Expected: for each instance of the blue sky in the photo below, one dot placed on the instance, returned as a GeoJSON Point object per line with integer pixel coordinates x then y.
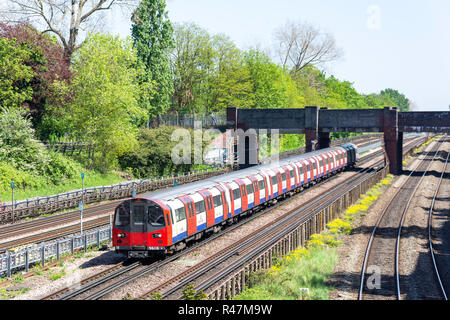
{"type": "Point", "coordinates": [399, 44]}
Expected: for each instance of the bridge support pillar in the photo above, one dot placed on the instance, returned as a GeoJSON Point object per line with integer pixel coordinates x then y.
{"type": "Point", "coordinates": [245, 143]}
{"type": "Point", "coordinates": [393, 141]}
{"type": "Point", "coordinates": [311, 128]}
{"type": "Point", "coordinates": [324, 140]}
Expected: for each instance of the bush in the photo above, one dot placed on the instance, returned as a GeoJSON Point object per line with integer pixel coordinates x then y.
{"type": "Point", "coordinates": [153, 156]}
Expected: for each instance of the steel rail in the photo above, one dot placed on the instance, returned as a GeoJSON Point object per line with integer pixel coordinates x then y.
{"type": "Point", "coordinates": [430, 241]}
{"type": "Point", "coordinates": [152, 267]}
{"type": "Point", "coordinates": [265, 234]}
{"type": "Point", "coordinates": [402, 220]}
{"type": "Point", "coordinates": [230, 228]}
{"type": "Point", "coordinates": [210, 238]}
{"type": "Point", "coordinates": [97, 210]}
{"type": "Point", "coordinates": [375, 228]}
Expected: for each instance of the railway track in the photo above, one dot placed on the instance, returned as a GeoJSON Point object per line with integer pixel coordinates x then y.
{"type": "Point", "coordinates": [211, 270]}
{"type": "Point", "coordinates": [382, 253]}
{"type": "Point", "coordinates": [253, 246]}
{"type": "Point", "coordinates": [429, 229]}
{"type": "Point", "coordinates": [32, 231]}
{"type": "Point", "coordinates": [116, 277]}
{"type": "Point", "coordinates": [113, 278]}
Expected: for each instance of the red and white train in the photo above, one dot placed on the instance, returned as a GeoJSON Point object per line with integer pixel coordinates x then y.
{"type": "Point", "coordinates": [164, 221]}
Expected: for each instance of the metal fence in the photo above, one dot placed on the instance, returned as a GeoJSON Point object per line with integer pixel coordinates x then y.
{"type": "Point", "coordinates": [187, 120]}
{"type": "Point", "coordinates": [49, 204]}
{"type": "Point", "coordinates": [48, 251]}
{"type": "Point", "coordinates": [71, 147]}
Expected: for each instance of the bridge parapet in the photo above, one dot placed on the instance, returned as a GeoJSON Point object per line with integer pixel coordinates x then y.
{"type": "Point", "coordinates": [317, 123]}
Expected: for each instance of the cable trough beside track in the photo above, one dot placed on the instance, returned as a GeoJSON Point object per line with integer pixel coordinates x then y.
{"type": "Point", "coordinates": [383, 248]}
{"type": "Point", "coordinates": [108, 281]}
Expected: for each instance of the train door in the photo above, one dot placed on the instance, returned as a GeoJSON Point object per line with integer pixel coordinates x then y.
{"type": "Point", "coordinates": [218, 204]}
{"type": "Point", "coordinates": [305, 172]}
{"type": "Point", "coordinates": [268, 185]}
{"type": "Point", "coordinates": [169, 221]}
{"type": "Point", "coordinates": [236, 193]}
{"type": "Point", "coordinates": [209, 207]}
{"type": "Point", "coordinates": [244, 197]}
{"type": "Point", "coordinates": [256, 191]}
{"type": "Point", "coordinates": [287, 174]}
{"type": "Point", "coordinates": [230, 200]}
{"type": "Point", "coordinates": [280, 183]}
{"type": "Point", "coordinates": [275, 186]}
{"type": "Point", "coordinates": [250, 192]}
{"type": "Point", "coordinates": [190, 214]}
{"type": "Point", "coordinates": [139, 219]}
{"type": "Point", "coordinates": [294, 176]}
{"type": "Point", "coordinates": [317, 166]}
{"type": "Point", "coordinates": [311, 171]}
{"type": "Point", "coordinates": [324, 159]}
{"type": "Point", "coordinates": [200, 210]}
{"type": "Point", "coordinates": [224, 201]}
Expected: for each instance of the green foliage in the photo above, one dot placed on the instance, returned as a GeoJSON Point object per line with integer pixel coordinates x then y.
{"type": "Point", "coordinates": [272, 86]}
{"type": "Point", "coordinates": [105, 96]}
{"type": "Point", "coordinates": [152, 33]}
{"type": "Point", "coordinates": [300, 269]}
{"type": "Point", "coordinates": [15, 75]}
{"type": "Point", "coordinates": [189, 293]}
{"type": "Point", "coordinates": [193, 67]}
{"type": "Point", "coordinates": [153, 156]}
{"type": "Point", "coordinates": [398, 98]}
{"type": "Point", "coordinates": [18, 145]}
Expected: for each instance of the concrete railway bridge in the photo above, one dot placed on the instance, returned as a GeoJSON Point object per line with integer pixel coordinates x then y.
{"type": "Point", "coordinates": [317, 124]}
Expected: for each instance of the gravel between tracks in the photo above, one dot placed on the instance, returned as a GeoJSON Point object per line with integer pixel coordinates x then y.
{"type": "Point", "coordinates": [346, 276]}
{"type": "Point", "coordinates": [94, 262]}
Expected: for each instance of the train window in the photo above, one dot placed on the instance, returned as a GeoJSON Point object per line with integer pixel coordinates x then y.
{"type": "Point", "coordinates": [200, 207]}
{"type": "Point", "coordinates": [138, 215]}
{"type": "Point", "coordinates": [274, 180]}
{"type": "Point", "coordinates": [236, 194]}
{"type": "Point", "coordinates": [308, 168]}
{"type": "Point", "coordinates": [292, 173]}
{"type": "Point", "coordinates": [156, 216]}
{"type": "Point", "coordinates": [283, 176]}
{"type": "Point", "coordinates": [261, 185]}
{"type": "Point", "coordinates": [180, 214]}
{"type": "Point", "coordinates": [122, 216]}
{"type": "Point", "coordinates": [217, 201]}
{"type": "Point", "coordinates": [301, 170]}
{"type": "Point", "coordinates": [249, 188]}
{"type": "Point", "coordinates": [321, 163]}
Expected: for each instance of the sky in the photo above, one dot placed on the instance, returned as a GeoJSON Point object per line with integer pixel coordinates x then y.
{"type": "Point", "coordinates": [404, 45]}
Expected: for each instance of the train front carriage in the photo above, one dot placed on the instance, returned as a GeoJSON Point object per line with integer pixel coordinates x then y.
{"type": "Point", "coordinates": [140, 228]}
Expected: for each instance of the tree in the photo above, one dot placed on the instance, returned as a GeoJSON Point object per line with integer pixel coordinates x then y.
{"type": "Point", "coordinates": [231, 83]}
{"type": "Point", "coordinates": [398, 98]}
{"type": "Point", "coordinates": [192, 64]}
{"type": "Point", "coordinates": [15, 75]}
{"type": "Point", "coordinates": [63, 18]}
{"type": "Point", "coordinates": [106, 96]}
{"type": "Point", "coordinates": [51, 70]}
{"type": "Point", "coordinates": [272, 86]}
{"type": "Point", "coordinates": [152, 33]}
{"type": "Point", "coordinates": [301, 44]}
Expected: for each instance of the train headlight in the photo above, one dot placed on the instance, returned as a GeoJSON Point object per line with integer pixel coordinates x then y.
{"type": "Point", "coordinates": [156, 235]}
{"type": "Point", "coordinates": [121, 235]}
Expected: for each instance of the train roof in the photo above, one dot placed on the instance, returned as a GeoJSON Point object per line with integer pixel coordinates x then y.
{"type": "Point", "coordinates": [189, 188]}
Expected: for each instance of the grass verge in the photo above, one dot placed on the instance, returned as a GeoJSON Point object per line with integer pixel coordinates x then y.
{"type": "Point", "coordinates": [303, 274]}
